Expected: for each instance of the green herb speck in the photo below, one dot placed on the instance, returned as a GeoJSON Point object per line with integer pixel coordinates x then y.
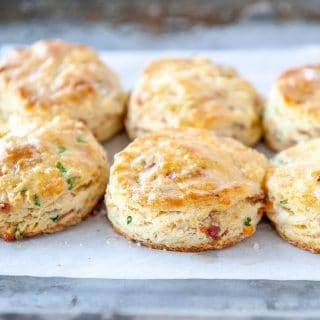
{"type": "Point", "coordinates": [247, 221]}
{"type": "Point", "coordinates": [60, 167]}
{"type": "Point", "coordinates": [36, 200]}
{"type": "Point", "coordinates": [61, 149]}
{"type": "Point", "coordinates": [23, 191]}
{"type": "Point", "coordinates": [17, 235]}
{"type": "Point", "coordinates": [55, 217]}
{"type": "Point", "coordinates": [70, 182]}
{"type": "Point", "coordinates": [82, 139]}
{"type": "Point", "coordinates": [284, 201]}
{"type": "Point", "coordinates": [129, 219]}
{"type": "Point", "coordinates": [137, 179]}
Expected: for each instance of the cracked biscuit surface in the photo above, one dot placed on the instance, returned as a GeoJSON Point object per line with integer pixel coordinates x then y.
{"type": "Point", "coordinates": [194, 92]}
{"type": "Point", "coordinates": [186, 190]}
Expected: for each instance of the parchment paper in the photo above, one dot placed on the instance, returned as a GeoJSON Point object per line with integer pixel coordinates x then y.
{"type": "Point", "coordinates": [92, 250]}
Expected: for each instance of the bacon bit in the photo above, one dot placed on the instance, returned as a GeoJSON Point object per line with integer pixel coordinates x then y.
{"type": "Point", "coordinates": [150, 165]}
{"type": "Point", "coordinates": [318, 179]}
{"type": "Point", "coordinates": [248, 230]}
{"type": "Point", "coordinates": [203, 229]}
{"type": "Point", "coordinates": [257, 198]}
{"type": "Point", "coordinates": [8, 237]}
{"type": "Point", "coordinates": [213, 231]}
{"type": "Point", "coordinates": [5, 207]}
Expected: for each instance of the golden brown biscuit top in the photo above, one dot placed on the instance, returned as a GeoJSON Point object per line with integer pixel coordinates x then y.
{"type": "Point", "coordinates": [204, 67]}
{"type": "Point", "coordinates": [300, 88]}
{"type": "Point", "coordinates": [173, 169]}
{"type": "Point", "coordinates": [57, 73]}
{"type": "Point", "coordinates": [194, 92]}
{"type": "Point", "coordinates": [295, 177]}
{"type": "Point", "coordinates": [39, 164]}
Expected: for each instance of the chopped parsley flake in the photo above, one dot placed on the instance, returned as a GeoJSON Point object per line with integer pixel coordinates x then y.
{"type": "Point", "coordinates": [279, 161]}
{"type": "Point", "coordinates": [61, 149]}
{"type": "Point", "coordinates": [143, 161]}
{"type": "Point", "coordinates": [55, 217]}
{"type": "Point", "coordinates": [129, 219]}
{"type": "Point", "coordinates": [17, 235]}
{"type": "Point", "coordinates": [247, 222]}
{"type": "Point", "coordinates": [70, 182]}
{"type": "Point", "coordinates": [36, 200]}
{"type": "Point", "coordinates": [82, 139]}
{"type": "Point", "coordinates": [61, 168]}
{"type": "Point", "coordinates": [137, 179]}
{"type": "Point", "coordinates": [284, 201]}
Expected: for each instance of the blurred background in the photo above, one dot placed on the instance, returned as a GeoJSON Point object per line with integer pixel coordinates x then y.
{"type": "Point", "coordinates": [163, 24]}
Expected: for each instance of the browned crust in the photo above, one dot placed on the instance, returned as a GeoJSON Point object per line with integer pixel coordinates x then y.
{"type": "Point", "coordinates": [299, 244]}
{"type": "Point", "coordinates": [159, 64]}
{"type": "Point", "coordinates": [194, 161]}
{"type": "Point", "coordinates": [209, 246]}
{"type": "Point", "coordinates": [294, 94]}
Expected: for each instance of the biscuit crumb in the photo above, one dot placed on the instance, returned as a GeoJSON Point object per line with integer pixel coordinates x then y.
{"type": "Point", "coordinates": [110, 240]}
{"type": "Point", "coordinates": [256, 246]}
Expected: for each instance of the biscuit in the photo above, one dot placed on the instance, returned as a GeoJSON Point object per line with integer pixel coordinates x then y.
{"type": "Point", "coordinates": [50, 78]}
{"type": "Point", "coordinates": [186, 190]}
{"type": "Point", "coordinates": [194, 92]}
{"type": "Point", "coordinates": [52, 176]}
{"type": "Point", "coordinates": [293, 185]}
{"type": "Point", "coordinates": [292, 113]}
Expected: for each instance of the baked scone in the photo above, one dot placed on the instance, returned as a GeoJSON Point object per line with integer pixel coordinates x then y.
{"type": "Point", "coordinates": [194, 92]}
{"type": "Point", "coordinates": [293, 186]}
{"type": "Point", "coordinates": [292, 113]}
{"type": "Point", "coordinates": [186, 190]}
{"type": "Point", "coordinates": [51, 176]}
{"type": "Point", "coordinates": [49, 78]}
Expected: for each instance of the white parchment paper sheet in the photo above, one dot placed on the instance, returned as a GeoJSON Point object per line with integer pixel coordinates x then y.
{"type": "Point", "coordinates": [92, 250]}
